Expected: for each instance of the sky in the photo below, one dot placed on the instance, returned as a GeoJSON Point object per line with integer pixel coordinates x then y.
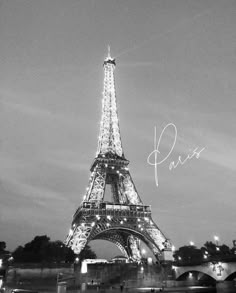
{"type": "Point", "coordinates": [176, 63]}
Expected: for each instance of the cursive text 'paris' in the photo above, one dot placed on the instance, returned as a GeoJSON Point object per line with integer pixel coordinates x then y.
{"type": "Point", "coordinates": [159, 158]}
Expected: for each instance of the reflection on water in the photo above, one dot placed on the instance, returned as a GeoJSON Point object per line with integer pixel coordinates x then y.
{"type": "Point", "coordinates": [221, 288]}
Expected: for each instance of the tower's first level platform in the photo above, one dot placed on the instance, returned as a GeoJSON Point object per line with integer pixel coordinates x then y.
{"type": "Point", "coordinates": [93, 208]}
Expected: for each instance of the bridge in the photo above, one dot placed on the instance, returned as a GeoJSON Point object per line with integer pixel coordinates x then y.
{"type": "Point", "coordinates": [216, 270]}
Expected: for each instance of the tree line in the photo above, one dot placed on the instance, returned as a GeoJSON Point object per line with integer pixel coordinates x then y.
{"type": "Point", "coordinates": [190, 254]}
{"type": "Point", "coordinates": [42, 250]}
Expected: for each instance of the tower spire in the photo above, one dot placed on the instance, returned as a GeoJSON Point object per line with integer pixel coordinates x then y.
{"type": "Point", "coordinates": [109, 141]}
{"type": "Point", "coordinates": [109, 52]}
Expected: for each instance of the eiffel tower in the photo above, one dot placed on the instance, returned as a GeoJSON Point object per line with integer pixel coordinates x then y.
{"type": "Point", "coordinates": [125, 220]}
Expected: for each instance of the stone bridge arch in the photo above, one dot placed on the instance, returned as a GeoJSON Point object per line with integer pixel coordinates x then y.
{"type": "Point", "coordinates": [219, 271]}
{"type": "Point", "coordinates": [231, 277]}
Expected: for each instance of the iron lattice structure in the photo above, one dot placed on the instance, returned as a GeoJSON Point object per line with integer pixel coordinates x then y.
{"type": "Point", "coordinates": [124, 221]}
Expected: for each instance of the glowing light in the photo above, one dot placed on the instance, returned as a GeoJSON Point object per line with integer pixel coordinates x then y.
{"type": "Point", "coordinates": [190, 275]}
{"type": "Point", "coordinates": [0, 265]}
{"type": "Point", "coordinates": [143, 251]}
{"type": "Point", "coordinates": [149, 260]}
{"type": "Point", "coordinates": [121, 222]}
{"type": "Point", "coordinates": [216, 238]}
{"type": "Point", "coordinates": [84, 267]}
{"type": "Point", "coordinates": [205, 256]}
{"type": "Point", "coordinates": [179, 258]}
{"type": "Point", "coordinates": [92, 224]}
{"type": "Point", "coordinates": [108, 224]}
{"type": "Point", "coordinates": [109, 217]}
{"type": "Point", "coordinates": [70, 232]}
{"type": "Point", "coordinates": [173, 248]}
{"type": "Point", "coordinates": [125, 219]}
{"type": "Point", "coordinates": [138, 220]}
{"type": "Point", "coordinates": [191, 243]}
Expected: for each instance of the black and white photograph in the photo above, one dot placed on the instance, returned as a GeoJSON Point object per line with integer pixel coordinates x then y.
{"type": "Point", "coordinates": [117, 146]}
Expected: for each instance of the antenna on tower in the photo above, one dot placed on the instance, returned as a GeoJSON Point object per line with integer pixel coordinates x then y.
{"type": "Point", "coordinates": [109, 59]}
{"type": "Point", "coordinates": [109, 52]}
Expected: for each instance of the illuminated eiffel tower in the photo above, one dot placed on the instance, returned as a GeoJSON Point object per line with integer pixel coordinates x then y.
{"type": "Point", "coordinates": [125, 221]}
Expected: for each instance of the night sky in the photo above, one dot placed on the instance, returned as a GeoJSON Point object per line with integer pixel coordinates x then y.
{"type": "Point", "coordinates": [176, 63]}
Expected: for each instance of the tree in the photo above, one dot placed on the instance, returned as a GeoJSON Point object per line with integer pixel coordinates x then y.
{"type": "Point", "coordinates": [225, 250]}
{"type": "Point", "coordinates": [218, 252]}
{"type": "Point", "coordinates": [41, 249]}
{"type": "Point", "coordinates": [188, 255]}
{"type": "Point", "coordinates": [2, 246]}
{"type": "Point", "coordinates": [210, 247]}
{"type": "Point", "coordinates": [33, 251]}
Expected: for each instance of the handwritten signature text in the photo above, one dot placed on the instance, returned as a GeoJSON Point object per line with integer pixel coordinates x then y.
{"type": "Point", "coordinates": [160, 158]}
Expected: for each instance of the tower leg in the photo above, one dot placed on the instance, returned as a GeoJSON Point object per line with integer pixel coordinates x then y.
{"type": "Point", "coordinates": [134, 247]}
{"type": "Point", "coordinates": [161, 246]}
{"type": "Point", "coordinates": [80, 237]}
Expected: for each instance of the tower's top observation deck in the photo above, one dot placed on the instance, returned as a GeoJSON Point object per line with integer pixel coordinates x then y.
{"type": "Point", "coordinates": [109, 59]}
